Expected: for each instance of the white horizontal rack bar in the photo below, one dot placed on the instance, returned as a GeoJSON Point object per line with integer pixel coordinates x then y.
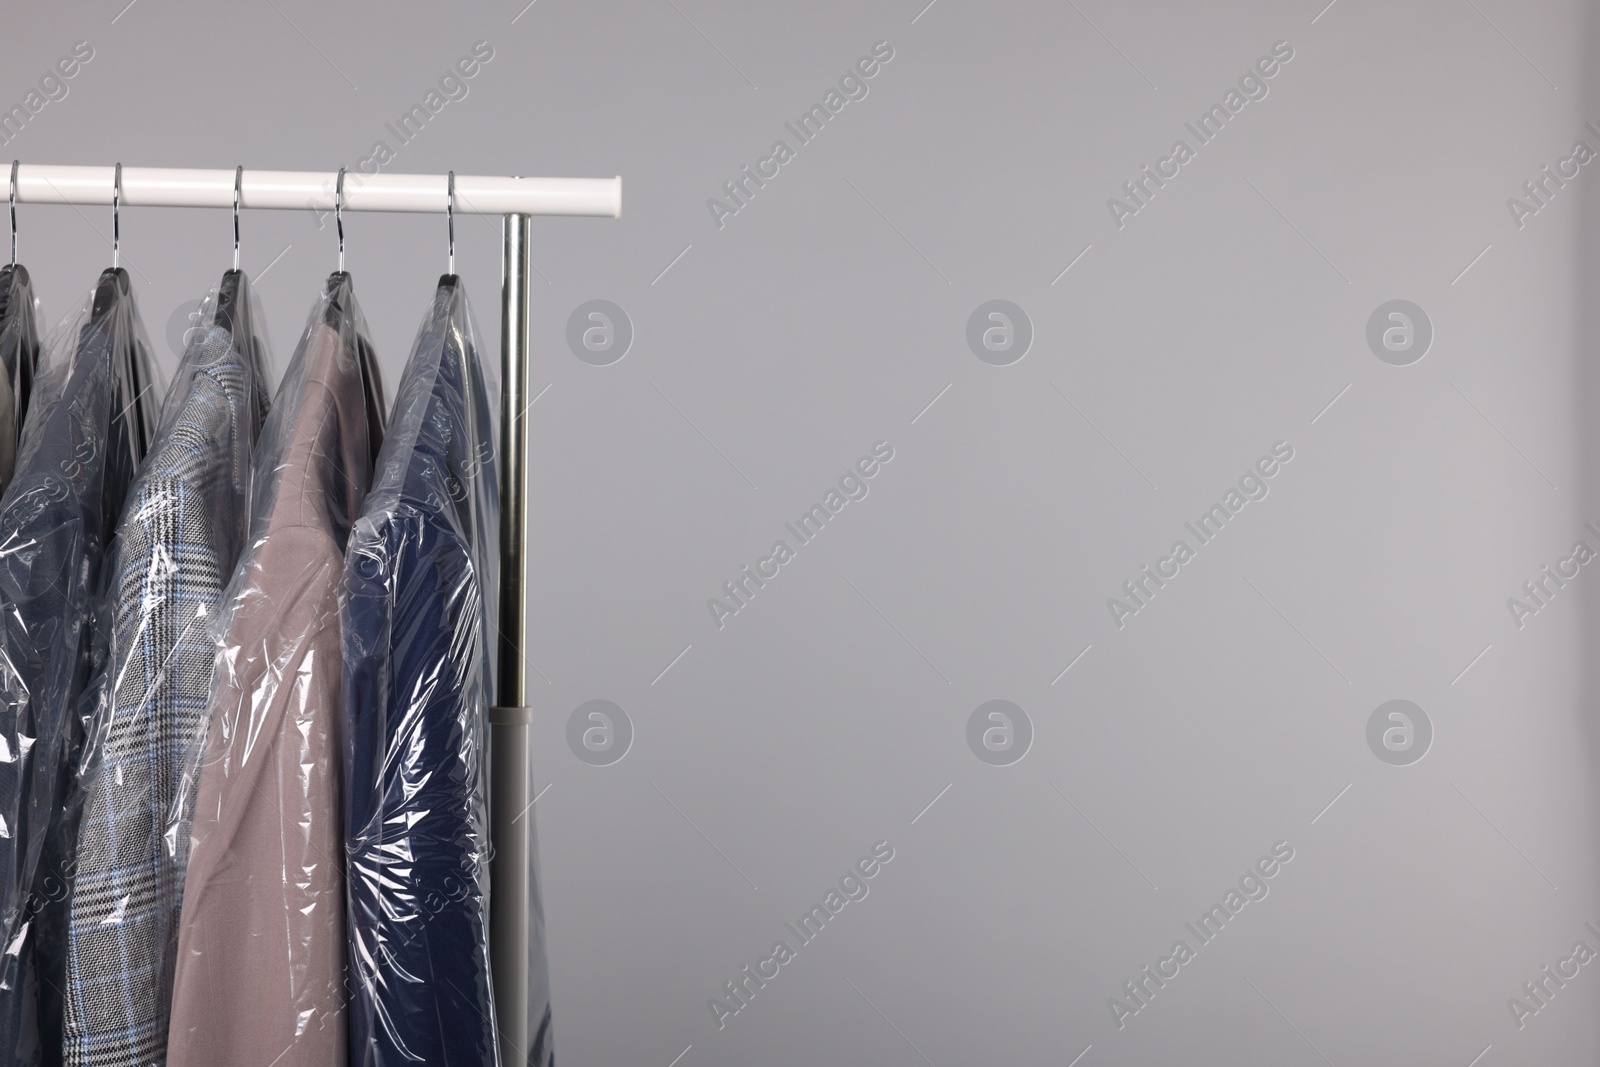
{"type": "Point", "coordinates": [314, 190]}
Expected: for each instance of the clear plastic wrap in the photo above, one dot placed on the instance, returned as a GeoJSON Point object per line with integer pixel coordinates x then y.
{"type": "Point", "coordinates": [82, 439]}
{"type": "Point", "coordinates": [19, 357]}
{"type": "Point", "coordinates": [261, 938]}
{"type": "Point", "coordinates": [419, 613]}
{"type": "Point", "coordinates": [180, 531]}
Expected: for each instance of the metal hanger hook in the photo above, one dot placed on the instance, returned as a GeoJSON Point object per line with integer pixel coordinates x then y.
{"type": "Point", "coordinates": [238, 185]}
{"type": "Point", "coordinates": [338, 215]}
{"type": "Point", "coordinates": [450, 219]}
{"type": "Point", "coordinates": [14, 164]}
{"type": "Point", "coordinates": [116, 217]}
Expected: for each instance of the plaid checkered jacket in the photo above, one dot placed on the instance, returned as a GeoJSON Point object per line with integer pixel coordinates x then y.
{"type": "Point", "coordinates": [176, 545]}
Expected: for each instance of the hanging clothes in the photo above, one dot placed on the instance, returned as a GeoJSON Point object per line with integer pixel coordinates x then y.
{"type": "Point", "coordinates": [19, 355]}
{"type": "Point", "coordinates": [181, 531]}
{"type": "Point", "coordinates": [56, 516]}
{"type": "Point", "coordinates": [420, 591]}
{"type": "Point", "coordinates": [261, 944]}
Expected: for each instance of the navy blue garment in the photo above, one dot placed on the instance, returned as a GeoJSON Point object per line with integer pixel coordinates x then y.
{"type": "Point", "coordinates": [80, 446]}
{"type": "Point", "coordinates": [419, 611]}
{"type": "Point", "coordinates": [19, 354]}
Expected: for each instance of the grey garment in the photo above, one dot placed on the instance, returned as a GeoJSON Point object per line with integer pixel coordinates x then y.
{"type": "Point", "coordinates": [175, 548]}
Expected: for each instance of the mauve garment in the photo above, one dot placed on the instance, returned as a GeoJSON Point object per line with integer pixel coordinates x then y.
{"type": "Point", "coordinates": [261, 940]}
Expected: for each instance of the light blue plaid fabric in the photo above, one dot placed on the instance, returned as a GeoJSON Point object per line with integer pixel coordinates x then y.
{"type": "Point", "coordinates": [175, 548]}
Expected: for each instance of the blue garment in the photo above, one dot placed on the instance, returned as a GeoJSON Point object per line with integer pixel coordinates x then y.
{"type": "Point", "coordinates": [419, 612]}
{"type": "Point", "coordinates": [76, 461]}
{"type": "Point", "coordinates": [19, 354]}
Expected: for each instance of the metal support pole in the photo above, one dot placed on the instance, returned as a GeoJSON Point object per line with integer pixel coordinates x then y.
{"type": "Point", "coordinates": [512, 896]}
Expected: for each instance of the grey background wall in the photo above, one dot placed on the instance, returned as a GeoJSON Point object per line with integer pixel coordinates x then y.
{"type": "Point", "coordinates": [1163, 753]}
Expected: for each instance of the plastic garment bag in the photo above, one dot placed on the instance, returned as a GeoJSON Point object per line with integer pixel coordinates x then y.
{"type": "Point", "coordinates": [175, 545]}
{"type": "Point", "coordinates": [261, 941]}
{"type": "Point", "coordinates": [76, 460]}
{"type": "Point", "coordinates": [419, 615]}
{"type": "Point", "coordinates": [19, 356]}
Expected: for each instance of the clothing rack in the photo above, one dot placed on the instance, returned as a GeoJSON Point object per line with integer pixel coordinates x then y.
{"type": "Point", "coordinates": [517, 200]}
